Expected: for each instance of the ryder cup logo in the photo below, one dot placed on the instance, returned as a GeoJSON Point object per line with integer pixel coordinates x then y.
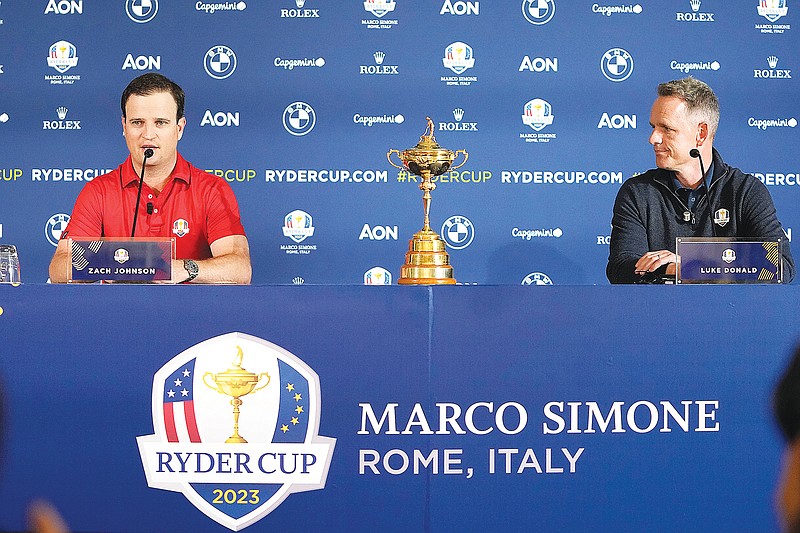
{"type": "Point", "coordinates": [616, 64]}
{"type": "Point", "coordinates": [729, 256]}
{"type": "Point", "coordinates": [299, 118]}
{"type": "Point", "coordinates": [458, 57]}
{"type": "Point", "coordinates": [121, 255]}
{"type": "Point", "coordinates": [722, 217]}
{"type": "Point", "coordinates": [458, 232]}
{"type": "Point", "coordinates": [63, 56]}
{"type": "Point", "coordinates": [236, 464]}
{"type": "Point", "coordinates": [537, 114]}
{"type": "Point", "coordinates": [180, 227]}
{"type": "Point", "coordinates": [772, 10]}
{"type": "Point", "coordinates": [219, 62]}
{"type": "Point", "coordinates": [378, 7]}
{"type": "Point", "coordinates": [377, 276]}
{"type": "Point", "coordinates": [141, 11]}
{"type": "Point", "coordinates": [538, 11]}
{"type": "Point", "coordinates": [298, 225]}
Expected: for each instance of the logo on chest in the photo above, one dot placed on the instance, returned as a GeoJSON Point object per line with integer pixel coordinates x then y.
{"type": "Point", "coordinates": [180, 227]}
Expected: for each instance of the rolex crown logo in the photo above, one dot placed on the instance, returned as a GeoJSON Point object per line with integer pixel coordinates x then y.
{"type": "Point", "coordinates": [695, 5]}
{"type": "Point", "coordinates": [62, 112]}
{"type": "Point", "coordinates": [300, 3]}
{"type": "Point", "coordinates": [379, 57]}
{"type": "Point", "coordinates": [773, 61]}
{"type": "Point", "coordinates": [298, 280]}
{"type": "Point", "coordinates": [458, 114]}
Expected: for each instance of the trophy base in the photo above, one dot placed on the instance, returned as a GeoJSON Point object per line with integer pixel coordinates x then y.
{"type": "Point", "coordinates": [235, 439]}
{"type": "Point", "coordinates": [427, 261]}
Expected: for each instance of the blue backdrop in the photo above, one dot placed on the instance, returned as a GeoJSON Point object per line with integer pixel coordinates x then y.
{"type": "Point", "coordinates": [296, 104]}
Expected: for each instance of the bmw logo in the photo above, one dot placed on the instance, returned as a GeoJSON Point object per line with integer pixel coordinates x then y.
{"type": "Point", "coordinates": [458, 232]}
{"type": "Point", "coordinates": [55, 225]}
{"type": "Point", "coordinates": [537, 278]}
{"type": "Point", "coordinates": [220, 62]}
{"type": "Point", "coordinates": [617, 64]}
{"type": "Point", "coordinates": [141, 11]}
{"type": "Point", "coordinates": [299, 118]}
{"type": "Point", "coordinates": [538, 11]}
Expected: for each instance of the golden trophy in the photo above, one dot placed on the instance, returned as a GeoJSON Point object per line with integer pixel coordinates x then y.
{"type": "Point", "coordinates": [427, 261]}
{"type": "Point", "coordinates": [236, 382]}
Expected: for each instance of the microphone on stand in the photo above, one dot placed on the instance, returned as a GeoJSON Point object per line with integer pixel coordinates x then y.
{"type": "Point", "coordinates": [147, 153]}
{"type": "Point", "coordinates": [694, 152]}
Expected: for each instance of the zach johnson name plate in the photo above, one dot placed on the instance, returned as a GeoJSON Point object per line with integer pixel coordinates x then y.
{"type": "Point", "coordinates": [427, 261]}
{"type": "Point", "coordinates": [135, 259]}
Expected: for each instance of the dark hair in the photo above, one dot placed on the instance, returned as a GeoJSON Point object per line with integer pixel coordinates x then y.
{"type": "Point", "coordinates": [150, 83]}
{"type": "Point", "coordinates": [786, 402]}
{"type": "Point", "coordinates": [699, 97]}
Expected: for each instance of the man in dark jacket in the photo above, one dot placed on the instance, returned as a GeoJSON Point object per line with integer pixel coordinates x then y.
{"type": "Point", "coordinates": [671, 201]}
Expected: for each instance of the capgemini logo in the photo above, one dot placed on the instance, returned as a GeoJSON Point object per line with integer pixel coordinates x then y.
{"type": "Point", "coordinates": [458, 114]}
{"type": "Point", "coordinates": [773, 61]}
{"type": "Point", "coordinates": [62, 112]}
{"type": "Point", "coordinates": [695, 5]}
{"type": "Point", "coordinates": [379, 57]}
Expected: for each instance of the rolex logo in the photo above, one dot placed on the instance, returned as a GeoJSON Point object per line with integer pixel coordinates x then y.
{"type": "Point", "coordinates": [773, 61]}
{"type": "Point", "coordinates": [62, 112]}
{"type": "Point", "coordinates": [458, 114]}
{"type": "Point", "coordinates": [695, 5]}
{"type": "Point", "coordinates": [298, 280]}
{"type": "Point", "coordinates": [300, 3]}
{"type": "Point", "coordinates": [379, 56]}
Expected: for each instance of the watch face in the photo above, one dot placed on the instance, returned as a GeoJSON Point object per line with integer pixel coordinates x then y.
{"type": "Point", "coordinates": [191, 267]}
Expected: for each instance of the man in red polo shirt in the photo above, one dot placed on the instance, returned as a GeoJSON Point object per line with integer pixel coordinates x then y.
{"type": "Point", "coordinates": [178, 199]}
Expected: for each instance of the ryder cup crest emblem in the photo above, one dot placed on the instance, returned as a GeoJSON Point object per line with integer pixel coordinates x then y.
{"type": "Point", "coordinates": [236, 422]}
{"type": "Point", "coordinates": [458, 57]}
{"type": "Point", "coordinates": [772, 10]}
{"type": "Point", "coordinates": [722, 217]}
{"type": "Point", "coordinates": [121, 255]}
{"type": "Point", "coordinates": [298, 225]}
{"type": "Point", "coordinates": [180, 227]}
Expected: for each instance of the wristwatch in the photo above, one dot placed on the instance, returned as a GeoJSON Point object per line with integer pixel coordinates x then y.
{"type": "Point", "coordinates": [192, 268]}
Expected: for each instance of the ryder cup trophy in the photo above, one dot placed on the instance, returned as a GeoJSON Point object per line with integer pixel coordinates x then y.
{"type": "Point", "coordinates": [236, 382]}
{"type": "Point", "coordinates": [427, 261]}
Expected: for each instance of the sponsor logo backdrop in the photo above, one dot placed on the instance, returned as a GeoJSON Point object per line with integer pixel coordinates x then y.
{"type": "Point", "coordinates": [295, 104]}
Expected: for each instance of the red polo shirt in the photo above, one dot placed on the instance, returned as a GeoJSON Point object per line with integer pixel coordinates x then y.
{"type": "Point", "coordinates": [195, 207]}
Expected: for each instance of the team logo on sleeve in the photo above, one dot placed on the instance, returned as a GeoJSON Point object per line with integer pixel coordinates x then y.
{"type": "Point", "coordinates": [722, 217]}
{"type": "Point", "coordinates": [236, 422]}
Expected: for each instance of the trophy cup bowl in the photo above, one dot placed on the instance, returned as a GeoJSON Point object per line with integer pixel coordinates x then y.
{"type": "Point", "coordinates": [236, 382]}
{"type": "Point", "coordinates": [427, 260]}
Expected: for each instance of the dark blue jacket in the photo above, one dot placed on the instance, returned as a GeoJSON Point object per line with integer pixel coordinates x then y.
{"type": "Point", "coordinates": [649, 215]}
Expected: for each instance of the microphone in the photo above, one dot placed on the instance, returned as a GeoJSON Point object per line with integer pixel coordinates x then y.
{"type": "Point", "coordinates": [149, 208]}
{"type": "Point", "coordinates": [694, 152]}
{"type": "Point", "coordinates": [147, 153]}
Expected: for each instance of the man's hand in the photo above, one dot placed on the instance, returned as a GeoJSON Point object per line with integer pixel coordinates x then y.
{"type": "Point", "coordinates": [651, 261]}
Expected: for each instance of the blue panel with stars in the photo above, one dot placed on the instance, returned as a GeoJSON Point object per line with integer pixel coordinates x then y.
{"type": "Point", "coordinates": [178, 387]}
{"type": "Point", "coordinates": [293, 411]}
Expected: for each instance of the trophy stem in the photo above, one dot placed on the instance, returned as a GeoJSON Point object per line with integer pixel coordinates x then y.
{"type": "Point", "coordinates": [427, 186]}
{"type": "Point", "coordinates": [236, 438]}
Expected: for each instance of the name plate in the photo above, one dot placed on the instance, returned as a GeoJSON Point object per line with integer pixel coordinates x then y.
{"type": "Point", "coordinates": [136, 259]}
{"type": "Point", "coordinates": [720, 260]}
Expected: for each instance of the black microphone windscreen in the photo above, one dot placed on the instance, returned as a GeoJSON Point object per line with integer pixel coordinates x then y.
{"type": "Point", "coordinates": [694, 152]}
{"type": "Point", "coordinates": [148, 152]}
